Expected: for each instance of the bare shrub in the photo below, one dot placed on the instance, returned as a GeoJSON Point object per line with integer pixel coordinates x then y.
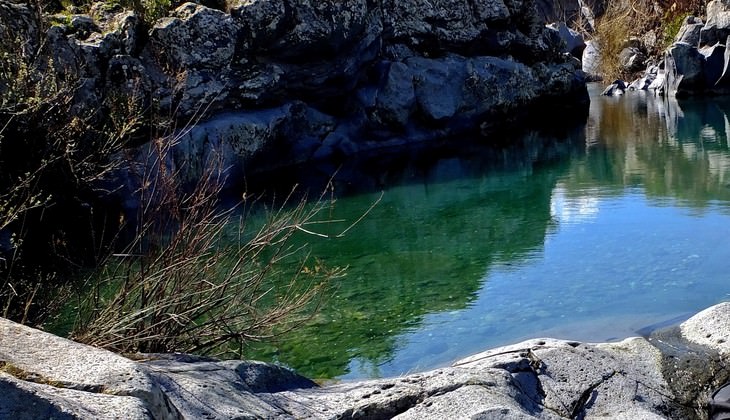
{"type": "Point", "coordinates": [51, 162]}
{"type": "Point", "coordinates": [181, 287]}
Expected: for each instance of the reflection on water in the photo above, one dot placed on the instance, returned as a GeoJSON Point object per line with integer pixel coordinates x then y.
{"type": "Point", "coordinates": [594, 233]}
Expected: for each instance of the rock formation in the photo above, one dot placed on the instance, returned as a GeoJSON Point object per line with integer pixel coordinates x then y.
{"type": "Point", "coordinates": [306, 80]}
{"type": "Point", "coordinates": [697, 61]}
{"type": "Point", "coordinates": [670, 375]}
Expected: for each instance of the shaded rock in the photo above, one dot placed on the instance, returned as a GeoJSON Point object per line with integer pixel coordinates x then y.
{"type": "Point", "coordinates": [714, 65]}
{"type": "Point", "coordinates": [440, 85]}
{"type": "Point", "coordinates": [361, 74]}
{"type": "Point", "coordinates": [684, 69]}
{"type": "Point", "coordinates": [20, 26]}
{"type": "Point", "coordinates": [717, 27]}
{"type": "Point", "coordinates": [573, 41]}
{"type": "Point", "coordinates": [689, 32]}
{"type": "Point", "coordinates": [194, 37]}
{"type": "Point", "coordinates": [22, 400]}
{"type": "Point", "coordinates": [669, 376]}
{"type": "Point", "coordinates": [224, 390]}
{"type": "Point", "coordinates": [571, 11]}
{"type": "Point", "coordinates": [632, 59]}
{"type": "Point", "coordinates": [231, 139]}
{"type": "Point", "coordinates": [396, 100]}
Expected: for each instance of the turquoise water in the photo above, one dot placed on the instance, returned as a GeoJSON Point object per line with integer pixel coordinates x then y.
{"type": "Point", "coordinates": [594, 233]}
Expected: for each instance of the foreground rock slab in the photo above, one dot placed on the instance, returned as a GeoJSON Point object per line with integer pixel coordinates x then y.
{"type": "Point", "coordinates": [670, 375]}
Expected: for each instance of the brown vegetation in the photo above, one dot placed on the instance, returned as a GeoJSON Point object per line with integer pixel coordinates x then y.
{"type": "Point", "coordinates": [625, 20]}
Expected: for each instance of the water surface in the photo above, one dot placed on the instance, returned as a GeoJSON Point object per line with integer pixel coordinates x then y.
{"type": "Point", "coordinates": [593, 233]}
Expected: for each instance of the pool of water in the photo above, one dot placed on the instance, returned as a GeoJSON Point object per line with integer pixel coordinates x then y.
{"type": "Point", "coordinates": [593, 233]}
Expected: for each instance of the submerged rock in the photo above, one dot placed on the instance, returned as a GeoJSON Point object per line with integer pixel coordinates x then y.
{"type": "Point", "coordinates": [670, 375]}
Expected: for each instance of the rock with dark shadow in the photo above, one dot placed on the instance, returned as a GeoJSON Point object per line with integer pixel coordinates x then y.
{"type": "Point", "coordinates": [369, 71]}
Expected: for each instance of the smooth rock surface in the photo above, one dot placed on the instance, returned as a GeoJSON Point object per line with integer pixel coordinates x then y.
{"type": "Point", "coordinates": [670, 375]}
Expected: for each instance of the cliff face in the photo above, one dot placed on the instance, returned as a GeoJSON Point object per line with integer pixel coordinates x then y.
{"type": "Point", "coordinates": [311, 80]}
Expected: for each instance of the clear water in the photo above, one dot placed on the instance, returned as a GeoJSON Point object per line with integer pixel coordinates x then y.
{"type": "Point", "coordinates": [593, 233]}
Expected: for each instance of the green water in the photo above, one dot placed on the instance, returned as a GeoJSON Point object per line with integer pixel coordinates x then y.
{"type": "Point", "coordinates": [594, 232]}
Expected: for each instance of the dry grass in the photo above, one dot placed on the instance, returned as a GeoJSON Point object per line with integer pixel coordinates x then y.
{"type": "Point", "coordinates": [612, 33]}
{"type": "Point", "coordinates": [624, 19]}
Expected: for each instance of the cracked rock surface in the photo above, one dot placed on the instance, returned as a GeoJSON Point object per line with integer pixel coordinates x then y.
{"type": "Point", "coordinates": [667, 376]}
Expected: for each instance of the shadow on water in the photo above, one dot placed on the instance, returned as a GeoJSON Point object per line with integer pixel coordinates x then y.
{"type": "Point", "coordinates": [596, 231]}
{"type": "Point", "coordinates": [445, 216]}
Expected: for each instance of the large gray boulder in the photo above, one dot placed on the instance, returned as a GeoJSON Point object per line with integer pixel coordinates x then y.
{"type": "Point", "coordinates": [717, 27]}
{"type": "Point", "coordinates": [31, 400]}
{"type": "Point", "coordinates": [689, 32]}
{"type": "Point", "coordinates": [697, 62]}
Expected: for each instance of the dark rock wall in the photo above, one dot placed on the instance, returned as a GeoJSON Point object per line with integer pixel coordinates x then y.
{"type": "Point", "coordinates": [311, 80]}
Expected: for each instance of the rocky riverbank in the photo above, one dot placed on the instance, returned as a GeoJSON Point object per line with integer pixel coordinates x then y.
{"type": "Point", "coordinates": [669, 375]}
{"type": "Point", "coordinates": [307, 81]}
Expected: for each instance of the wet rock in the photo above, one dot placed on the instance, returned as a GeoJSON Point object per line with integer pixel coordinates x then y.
{"type": "Point", "coordinates": [617, 88]}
